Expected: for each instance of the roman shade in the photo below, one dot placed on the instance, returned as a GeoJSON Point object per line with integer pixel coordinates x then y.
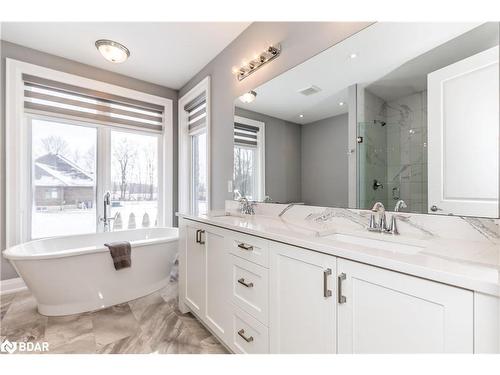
{"type": "Point", "coordinates": [55, 98]}
{"type": "Point", "coordinates": [197, 113]}
{"type": "Point", "coordinates": [245, 135]}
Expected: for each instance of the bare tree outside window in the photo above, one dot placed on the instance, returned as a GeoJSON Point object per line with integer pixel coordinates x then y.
{"type": "Point", "coordinates": [244, 171]}
{"type": "Point", "coordinates": [55, 144]}
{"type": "Point", "coordinates": [134, 177]}
{"type": "Point", "coordinates": [124, 153]}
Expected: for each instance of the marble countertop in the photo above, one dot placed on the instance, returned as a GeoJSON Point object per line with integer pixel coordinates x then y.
{"type": "Point", "coordinates": [470, 264]}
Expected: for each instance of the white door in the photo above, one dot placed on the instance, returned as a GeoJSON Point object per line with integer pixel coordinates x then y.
{"type": "Point", "coordinates": [218, 282]}
{"type": "Point", "coordinates": [389, 312]}
{"type": "Point", "coordinates": [194, 269]}
{"type": "Point", "coordinates": [463, 137]}
{"type": "Point", "coordinates": [302, 301]}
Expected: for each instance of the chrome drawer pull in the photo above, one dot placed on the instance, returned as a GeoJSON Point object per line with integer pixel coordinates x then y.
{"type": "Point", "coordinates": [241, 333]}
{"type": "Point", "coordinates": [245, 247]}
{"type": "Point", "coordinates": [242, 282]}
{"type": "Point", "coordinates": [326, 292]}
{"type": "Point", "coordinates": [341, 298]}
{"type": "Point", "coordinates": [199, 232]}
{"type": "Point", "coordinates": [202, 242]}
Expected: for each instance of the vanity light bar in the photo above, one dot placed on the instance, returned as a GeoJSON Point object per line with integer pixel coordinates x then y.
{"type": "Point", "coordinates": [268, 55]}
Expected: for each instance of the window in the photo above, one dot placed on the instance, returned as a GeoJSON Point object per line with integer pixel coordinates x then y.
{"type": "Point", "coordinates": [249, 170]}
{"type": "Point", "coordinates": [134, 180]}
{"type": "Point", "coordinates": [199, 175]}
{"type": "Point", "coordinates": [69, 140]}
{"type": "Point", "coordinates": [63, 174]}
{"type": "Point", "coordinates": [194, 130]}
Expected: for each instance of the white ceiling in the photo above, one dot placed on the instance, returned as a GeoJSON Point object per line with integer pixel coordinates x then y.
{"type": "Point", "coordinates": [165, 53]}
{"type": "Point", "coordinates": [381, 49]}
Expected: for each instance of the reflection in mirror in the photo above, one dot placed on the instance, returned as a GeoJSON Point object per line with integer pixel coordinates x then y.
{"type": "Point", "coordinates": [399, 111]}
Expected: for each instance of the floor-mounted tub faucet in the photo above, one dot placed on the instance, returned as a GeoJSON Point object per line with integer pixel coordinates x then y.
{"type": "Point", "coordinates": [107, 206]}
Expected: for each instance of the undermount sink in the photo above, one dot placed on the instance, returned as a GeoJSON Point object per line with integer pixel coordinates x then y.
{"type": "Point", "coordinates": [396, 247]}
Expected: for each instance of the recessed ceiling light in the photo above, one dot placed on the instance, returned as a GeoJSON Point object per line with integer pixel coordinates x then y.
{"type": "Point", "coordinates": [301, 116]}
{"type": "Point", "coordinates": [248, 97]}
{"type": "Point", "coordinates": [353, 55]}
{"type": "Point", "coordinates": [341, 104]}
{"type": "Point", "coordinates": [112, 51]}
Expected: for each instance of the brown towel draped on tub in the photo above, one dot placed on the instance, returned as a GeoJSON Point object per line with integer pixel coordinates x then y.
{"type": "Point", "coordinates": [121, 253]}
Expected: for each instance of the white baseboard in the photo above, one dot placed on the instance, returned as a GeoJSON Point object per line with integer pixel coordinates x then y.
{"type": "Point", "coordinates": [12, 285]}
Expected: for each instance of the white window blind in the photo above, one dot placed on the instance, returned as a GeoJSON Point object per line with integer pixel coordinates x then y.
{"type": "Point", "coordinates": [197, 113]}
{"type": "Point", "coordinates": [63, 100]}
{"type": "Point", "coordinates": [245, 135]}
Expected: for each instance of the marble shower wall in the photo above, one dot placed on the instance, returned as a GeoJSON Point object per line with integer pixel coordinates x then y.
{"type": "Point", "coordinates": [407, 151]}
{"type": "Point", "coordinates": [394, 154]}
{"type": "Point", "coordinates": [372, 152]}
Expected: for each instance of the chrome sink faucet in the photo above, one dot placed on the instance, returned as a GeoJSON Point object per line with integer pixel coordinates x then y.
{"type": "Point", "coordinates": [246, 207]}
{"type": "Point", "coordinates": [381, 226]}
{"type": "Point", "coordinates": [393, 227]}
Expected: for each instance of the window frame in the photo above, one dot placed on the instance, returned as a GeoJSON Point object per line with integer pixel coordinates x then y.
{"type": "Point", "coordinates": [28, 118]}
{"type": "Point", "coordinates": [185, 183]}
{"type": "Point", "coordinates": [18, 144]}
{"type": "Point", "coordinates": [261, 153]}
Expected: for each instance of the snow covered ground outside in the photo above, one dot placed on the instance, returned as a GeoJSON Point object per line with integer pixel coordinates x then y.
{"type": "Point", "coordinates": [76, 221]}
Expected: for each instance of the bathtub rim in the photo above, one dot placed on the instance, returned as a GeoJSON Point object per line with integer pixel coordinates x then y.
{"type": "Point", "coordinates": [10, 253]}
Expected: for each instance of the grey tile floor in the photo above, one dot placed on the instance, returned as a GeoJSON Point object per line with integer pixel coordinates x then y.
{"type": "Point", "coordinates": [151, 324]}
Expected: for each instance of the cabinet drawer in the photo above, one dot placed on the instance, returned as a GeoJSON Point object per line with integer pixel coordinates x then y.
{"type": "Point", "coordinates": [248, 335]}
{"type": "Point", "coordinates": [250, 288]}
{"type": "Point", "coordinates": [251, 248]}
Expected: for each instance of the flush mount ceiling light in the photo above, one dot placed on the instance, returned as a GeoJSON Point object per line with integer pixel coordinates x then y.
{"type": "Point", "coordinates": [301, 116]}
{"type": "Point", "coordinates": [341, 104]}
{"type": "Point", "coordinates": [248, 97]}
{"type": "Point", "coordinates": [353, 55]}
{"type": "Point", "coordinates": [112, 51]}
{"type": "Point", "coordinates": [263, 58]}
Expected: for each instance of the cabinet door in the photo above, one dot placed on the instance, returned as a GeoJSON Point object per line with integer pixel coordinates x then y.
{"type": "Point", "coordinates": [218, 282]}
{"type": "Point", "coordinates": [194, 269]}
{"type": "Point", "coordinates": [302, 301]}
{"type": "Point", "coordinates": [389, 312]}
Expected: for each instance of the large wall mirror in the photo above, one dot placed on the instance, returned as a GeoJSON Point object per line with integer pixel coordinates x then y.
{"type": "Point", "coordinates": [399, 111]}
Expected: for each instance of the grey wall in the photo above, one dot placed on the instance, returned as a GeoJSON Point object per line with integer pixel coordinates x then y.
{"type": "Point", "coordinates": [325, 162]}
{"type": "Point", "coordinates": [299, 41]}
{"type": "Point", "coordinates": [14, 51]}
{"type": "Point", "coordinates": [282, 156]}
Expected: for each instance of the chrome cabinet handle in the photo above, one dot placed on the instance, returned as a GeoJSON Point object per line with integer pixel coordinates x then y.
{"type": "Point", "coordinates": [326, 292]}
{"type": "Point", "coordinates": [199, 232]}
{"type": "Point", "coordinates": [245, 247]}
{"type": "Point", "coordinates": [435, 208]}
{"type": "Point", "coordinates": [341, 298]}
{"type": "Point", "coordinates": [241, 333]}
{"type": "Point", "coordinates": [242, 282]}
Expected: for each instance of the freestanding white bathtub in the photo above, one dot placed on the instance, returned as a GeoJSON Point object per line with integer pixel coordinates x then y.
{"type": "Point", "coordinates": [74, 274]}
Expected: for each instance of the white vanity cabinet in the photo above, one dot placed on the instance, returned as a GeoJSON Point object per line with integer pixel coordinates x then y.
{"type": "Point", "coordinates": [204, 284]}
{"type": "Point", "coordinates": [388, 312]}
{"type": "Point", "coordinates": [261, 296]}
{"type": "Point", "coordinates": [302, 298]}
